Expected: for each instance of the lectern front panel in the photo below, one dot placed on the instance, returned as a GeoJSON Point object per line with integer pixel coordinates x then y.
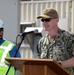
{"type": "Point", "coordinates": [30, 69]}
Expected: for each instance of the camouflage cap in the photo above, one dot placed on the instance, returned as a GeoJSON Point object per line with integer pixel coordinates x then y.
{"type": "Point", "coordinates": [48, 13]}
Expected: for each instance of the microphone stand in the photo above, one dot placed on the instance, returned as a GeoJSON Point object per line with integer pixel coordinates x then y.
{"type": "Point", "coordinates": [16, 52]}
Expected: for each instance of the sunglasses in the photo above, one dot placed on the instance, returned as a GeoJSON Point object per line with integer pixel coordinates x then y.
{"type": "Point", "coordinates": [1, 29]}
{"type": "Point", "coordinates": [47, 19]}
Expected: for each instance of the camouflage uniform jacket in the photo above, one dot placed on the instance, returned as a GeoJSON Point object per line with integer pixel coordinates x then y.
{"type": "Point", "coordinates": [62, 47]}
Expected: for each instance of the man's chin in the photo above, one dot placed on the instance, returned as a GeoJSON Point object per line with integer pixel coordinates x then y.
{"type": "Point", "coordinates": [45, 29]}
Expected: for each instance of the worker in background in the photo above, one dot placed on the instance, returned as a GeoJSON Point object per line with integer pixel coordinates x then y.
{"type": "Point", "coordinates": [7, 49]}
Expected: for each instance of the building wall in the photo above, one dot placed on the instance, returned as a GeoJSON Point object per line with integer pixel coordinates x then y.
{"type": "Point", "coordinates": [10, 14]}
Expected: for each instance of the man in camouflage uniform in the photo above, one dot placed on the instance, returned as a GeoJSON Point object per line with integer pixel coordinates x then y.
{"type": "Point", "coordinates": [58, 44]}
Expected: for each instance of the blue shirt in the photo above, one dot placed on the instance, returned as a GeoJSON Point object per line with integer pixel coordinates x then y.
{"type": "Point", "coordinates": [13, 51]}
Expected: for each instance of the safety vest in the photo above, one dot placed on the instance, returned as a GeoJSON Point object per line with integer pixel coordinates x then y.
{"type": "Point", "coordinates": [5, 47]}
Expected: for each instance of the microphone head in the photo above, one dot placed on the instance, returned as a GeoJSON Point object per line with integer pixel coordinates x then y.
{"type": "Point", "coordinates": [35, 31]}
{"type": "Point", "coordinates": [31, 30]}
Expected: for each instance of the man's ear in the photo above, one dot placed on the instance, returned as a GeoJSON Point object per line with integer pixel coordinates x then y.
{"type": "Point", "coordinates": [57, 19]}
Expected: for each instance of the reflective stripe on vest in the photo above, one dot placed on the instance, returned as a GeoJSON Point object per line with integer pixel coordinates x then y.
{"type": "Point", "coordinates": [5, 48]}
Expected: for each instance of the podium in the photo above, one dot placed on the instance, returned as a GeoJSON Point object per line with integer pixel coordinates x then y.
{"type": "Point", "coordinates": [35, 66]}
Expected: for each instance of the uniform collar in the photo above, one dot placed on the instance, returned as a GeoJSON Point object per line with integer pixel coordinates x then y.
{"type": "Point", "coordinates": [60, 31]}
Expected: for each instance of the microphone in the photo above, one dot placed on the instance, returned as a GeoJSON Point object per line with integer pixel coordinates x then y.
{"type": "Point", "coordinates": [28, 32]}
